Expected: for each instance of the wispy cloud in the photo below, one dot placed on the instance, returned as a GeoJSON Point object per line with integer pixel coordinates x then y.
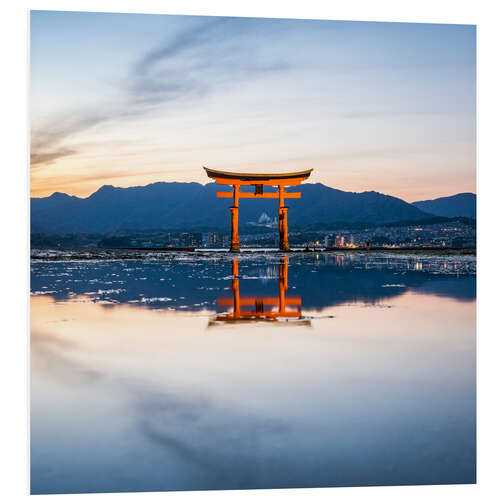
{"type": "Point", "coordinates": [192, 37]}
{"type": "Point", "coordinates": [218, 52]}
{"type": "Point", "coordinates": [37, 159]}
{"type": "Point", "coordinates": [210, 55]}
{"type": "Point", "coordinates": [46, 138]}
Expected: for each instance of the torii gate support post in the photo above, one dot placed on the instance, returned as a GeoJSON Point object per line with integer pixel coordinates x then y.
{"type": "Point", "coordinates": [235, 237]}
{"type": "Point", "coordinates": [283, 220]}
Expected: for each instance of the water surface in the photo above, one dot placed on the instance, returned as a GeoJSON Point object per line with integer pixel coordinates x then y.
{"type": "Point", "coordinates": [182, 372]}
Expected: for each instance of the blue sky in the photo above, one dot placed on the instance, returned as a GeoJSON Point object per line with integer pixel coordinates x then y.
{"type": "Point", "coordinates": [129, 99]}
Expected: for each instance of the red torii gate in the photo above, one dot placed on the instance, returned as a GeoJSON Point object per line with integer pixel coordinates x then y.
{"type": "Point", "coordinates": [259, 181]}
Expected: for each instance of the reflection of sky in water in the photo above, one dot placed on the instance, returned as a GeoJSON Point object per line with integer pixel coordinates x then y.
{"type": "Point", "coordinates": [131, 391]}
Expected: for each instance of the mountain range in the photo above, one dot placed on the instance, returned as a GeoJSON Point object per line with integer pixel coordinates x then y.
{"type": "Point", "coordinates": [179, 206]}
{"type": "Point", "coordinates": [459, 205]}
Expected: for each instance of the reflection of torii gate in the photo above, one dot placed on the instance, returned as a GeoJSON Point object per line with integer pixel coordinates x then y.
{"type": "Point", "coordinates": [258, 305]}
{"type": "Point", "coordinates": [259, 181]}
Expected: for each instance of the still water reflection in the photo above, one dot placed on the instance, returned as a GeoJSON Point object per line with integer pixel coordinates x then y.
{"type": "Point", "coordinates": [259, 308]}
{"type": "Point", "coordinates": [206, 372]}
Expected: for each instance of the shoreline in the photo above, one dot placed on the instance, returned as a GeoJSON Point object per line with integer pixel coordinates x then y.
{"type": "Point", "coordinates": [83, 253]}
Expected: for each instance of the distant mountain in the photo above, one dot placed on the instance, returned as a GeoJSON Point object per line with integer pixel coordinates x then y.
{"type": "Point", "coordinates": [192, 206]}
{"type": "Point", "coordinates": [458, 205]}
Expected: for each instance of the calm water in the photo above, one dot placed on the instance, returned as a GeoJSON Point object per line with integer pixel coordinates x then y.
{"type": "Point", "coordinates": [201, 372]}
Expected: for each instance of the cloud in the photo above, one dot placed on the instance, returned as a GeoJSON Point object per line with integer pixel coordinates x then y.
{"type": "Point", "coordinates": [192, 37]}
{"type": "Point", "coordinates": [209, 56]}
{"type": "Point", "coordinates": [47, 137]}
{"type": "Point", "coordinates": [200, 59]}
{"type": "Point", "coordinates": [50, 157]}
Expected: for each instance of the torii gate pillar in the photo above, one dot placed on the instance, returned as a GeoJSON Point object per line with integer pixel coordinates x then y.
{"type": "Point", "coordinates": [283, 220]}
{"type": "Point", "coordinates": [235, 237]}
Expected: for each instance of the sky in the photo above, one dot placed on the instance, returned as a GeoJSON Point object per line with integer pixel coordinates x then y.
{"type": "Point", "coordinates": [131, 99]}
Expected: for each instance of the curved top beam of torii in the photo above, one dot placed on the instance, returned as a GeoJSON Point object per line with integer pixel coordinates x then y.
{"type": "Point", "coordinates": [268, 179]}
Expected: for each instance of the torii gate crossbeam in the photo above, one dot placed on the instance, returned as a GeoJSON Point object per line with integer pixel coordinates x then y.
{"type": "Point", "coordinates": [236, 180]}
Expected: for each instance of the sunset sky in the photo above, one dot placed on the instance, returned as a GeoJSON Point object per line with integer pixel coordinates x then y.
{"type": "Point", "coordinates": [127, 99]}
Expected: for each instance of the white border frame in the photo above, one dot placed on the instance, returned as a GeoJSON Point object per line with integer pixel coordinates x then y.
{"type": "Point", "coordinates": [15, 241]}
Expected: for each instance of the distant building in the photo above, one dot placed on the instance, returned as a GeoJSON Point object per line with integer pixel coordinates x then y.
{"type": "Point", "coordinates": [196, 239]}
{"type": "Point", "coordinates": [190, 240]}
{"type": "Point", "coordinates": [339, 241]}
{"type": "Point", "coordinates": [264, 219]}
{"type": "Point", "coordinates": [212, 240]}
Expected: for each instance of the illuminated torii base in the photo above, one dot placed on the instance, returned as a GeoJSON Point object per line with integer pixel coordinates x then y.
{"type": "Point", "coordinates": [259, 181]}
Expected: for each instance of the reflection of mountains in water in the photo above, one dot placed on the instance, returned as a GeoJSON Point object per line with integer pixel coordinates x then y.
{"type": "Point", "coordinates": [196, 282]}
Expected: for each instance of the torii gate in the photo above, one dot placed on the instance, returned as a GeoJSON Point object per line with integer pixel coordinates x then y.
{"type": "Point", "coordinates": [259, 181]}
